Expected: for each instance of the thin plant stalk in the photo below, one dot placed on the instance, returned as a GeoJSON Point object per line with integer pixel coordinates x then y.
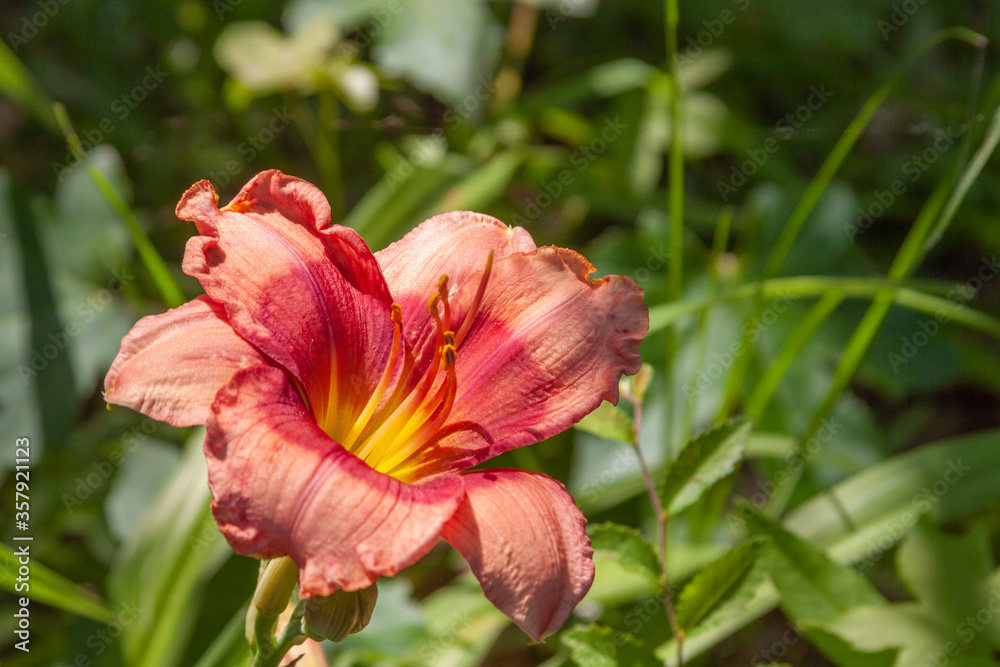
{"type": "Point", "coordinates": [661, 519]}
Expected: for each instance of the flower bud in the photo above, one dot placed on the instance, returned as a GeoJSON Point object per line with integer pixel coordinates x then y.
{"type": "Point", "coordinates": [336, 616]}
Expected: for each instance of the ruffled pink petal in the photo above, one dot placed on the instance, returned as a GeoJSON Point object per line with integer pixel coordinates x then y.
{"type": "Point", "coordinates": [457, 244]}
{"type": "Point", "coordinates": [282, 487]}
{"type": "Point", "coordinates": [526, 543]}
{"type": "Point", "coordinates": [547, 346]}
{"type": "Point", "coordinates": [171, 365]}
{"type": "Point", "coordinates": [308, 295]}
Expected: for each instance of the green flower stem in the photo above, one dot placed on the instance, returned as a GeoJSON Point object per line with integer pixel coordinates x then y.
{"type": "Point", "coordinates": [274, 588]}
{"type": "Point", "coordinates": [269, 652]}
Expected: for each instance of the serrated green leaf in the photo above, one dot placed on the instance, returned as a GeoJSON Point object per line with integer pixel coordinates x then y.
{"type": "Point", "coordinates": [814, 588]}
{"type": "Point", "coordinates": [715, 584]}
{"type": "Point", "coordinates": [706, 459]}
{"type": "Point", "coordinates": [48, 587]}
{"type": "Point", "coordinates": [626, 545]}
{"type": "Point", "coordinates": [608, 422]}
{"type": "Point", "coordinates": [599, 646]}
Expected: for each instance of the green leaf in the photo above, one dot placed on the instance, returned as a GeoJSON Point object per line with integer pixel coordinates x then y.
{"type": "Point", "coordinates": [599, 646]}
{"type": "Point", "coordinates": [952, 579]}
{"type": "Point", "coordinates": [875, 500]}
{"type": "Point", "coordinates": [48, 587]}
{"type": "Point", "coordinates": [814, 588]}
{"type": "Point", "coordinates": [54, 383]}
{"type": "Point", "coordinates": [705, 460]}
{"type": "Point", "coordinates": [608, 422]}
{"type": "Point", "coordinates": [626, 545]}
{"type": "Point", "coordinates": [715, 584]}
{"type": "Point", "coordinates": [445, 47]}
{"type": "Point", "coordinates": [166, 565]}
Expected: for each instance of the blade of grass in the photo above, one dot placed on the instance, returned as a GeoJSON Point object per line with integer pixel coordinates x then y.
{"type": "Point", "coordinates": [789, 352]}
{"type": "Point", "coordinates": [805, 287]}
{"type": "Point", "coordinates": [818, 185]}
{"type": "Point", "coordinates": [169, 290]}
{"type": "Point", "coordinates": [908, 257]}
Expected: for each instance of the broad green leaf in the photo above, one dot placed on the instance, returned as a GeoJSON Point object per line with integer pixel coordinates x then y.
{"type": "Point", "coordinates": [164, 568]}
{"type": "Point", "coordinates": [715, 585]}
{"type": "Point", "coordinates": [814, 588]}
{"type": "Point", "coordinates": [626, 545]}
{"type": "Point", "coordinates": [951, 577]}
{"type": "Point", "coordinates": [705, 460]}
{"type": "Point", "coordinates": [52, 376]}
{"type": "Point", "coordinates": [598, 646]}
{"type": "Point", "coordinates": [877, 500]}
{"type": "Point", "coordinates": [608, 422]}
{"type": "Point", "coordinates": [446, 47]}
{"type": "Point", "coordinates": [48, 587]}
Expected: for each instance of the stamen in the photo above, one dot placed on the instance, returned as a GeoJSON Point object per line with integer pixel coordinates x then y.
{"type": "Point", "coordinates": [383, 383]}
{"type": "Point", "coordinates": [389, 439]}
{"type": "Point", "coordinates": [476, 302]}
{"type": "Point", "coordinates": [443, 293]}
{"type": "Point", "coordinates": [417, 394]}
{"type": "Point", "coordinates": [414, 443]}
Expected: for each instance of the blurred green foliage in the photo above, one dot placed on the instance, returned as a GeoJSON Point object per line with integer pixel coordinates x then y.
{"type": "Point", "coordinates": [555, 115]}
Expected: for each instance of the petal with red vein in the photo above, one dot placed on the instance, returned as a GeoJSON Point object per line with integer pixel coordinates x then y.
{"type": "Point", "coordinates": [526, 543]}
{"type": "Point", "coordinates": [281, 486]}
{"type": "Point", "coordinates": [171, 365]}
{"type": "Point", "coordinates": [547, 346]}
{"type": "Point", "coordinates": [309, 295]}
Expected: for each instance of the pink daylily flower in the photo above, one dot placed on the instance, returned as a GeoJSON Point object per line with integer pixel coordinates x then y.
{"type": "Point", "coordinates": [347, 394]}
